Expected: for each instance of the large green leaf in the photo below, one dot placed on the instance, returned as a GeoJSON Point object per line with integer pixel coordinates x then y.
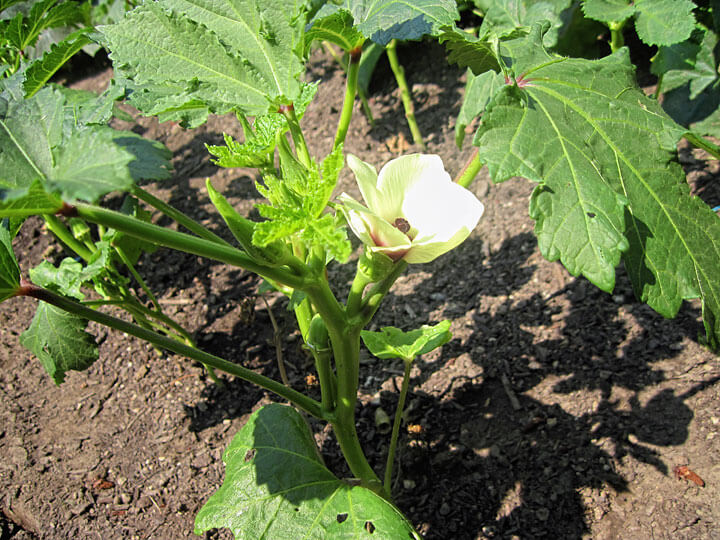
{"type": "Point", "coordinates": [504, 17]}
{"type": "Point", "coordinates": [43, 147]}
{"type": "Point", "coordinates": [277, 488]}
{"type": "Point", "coordinates": [226, 54]}
{"type": "Point", "coordinates": [604, 156]}
{"type": "Point", "coordinates": [9, 270]}
{"type": "Point", "coordinates": [60, 342]}
{"type": "Point", "coordinates": [468, 51]}
{"type": "Point", "coordinates": [385, 20]}
{"type": "Point", "coordinates": [657, 22]}
{"type": "Point", "coordinates": [337, 27]}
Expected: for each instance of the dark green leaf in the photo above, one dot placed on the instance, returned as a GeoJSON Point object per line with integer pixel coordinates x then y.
{"type": "Point", "coordinates": [337, 27]}
{"type": "Point", "coordinates": [466, 50]}
{"type": "Point", "coordinates": [9, 269]}
{"type": "Point", "coordinates": [39, 72]}
{"type": "Point", "coordinates": [392, 342]}
{"type": "Point", "coordinates": [664, 22]}
{"type": "Point", "coordinates": [604, 156]}
{"type": "Point", "coordinates": [504, 17]}
{"type": "Point", "coordinates": [276, 486]}
{"type": "Point", "coordinates": [608, 11]}
{"type": "Point", "coordinates": [60, 342]}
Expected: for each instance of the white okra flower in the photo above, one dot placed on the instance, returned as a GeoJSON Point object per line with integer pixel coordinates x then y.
{"type": "Point", "coordinates": [414, 210]}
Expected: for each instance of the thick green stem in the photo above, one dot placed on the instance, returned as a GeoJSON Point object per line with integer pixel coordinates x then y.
{"type": "Point", "coordinates": [353, 69]}
{"type": "Point", "coordinates": [177, 215]}
{"type": "Point", "coordinates": [470, 171]}
{"type": "Point", "coordinates": [616, 35]}
{"type": "Point", "coordinates": [58, 228]}
{"type": "Point", "coordinates": [306, 403]}
{"type": "Point", "coordinates": [405, 94]}
{"type": "Point", "coordinates": [396, 426]}
{"type": "Point", "coordinates": [701, 142]}
{"type": "Point", "coordinates": [658, 86]}
{"type": "Point", "coordinates": [301, 148]}
{"type": "Point", "coordinates": [183, 242]}
{"type": "Point", "coordinates": [354, 301]}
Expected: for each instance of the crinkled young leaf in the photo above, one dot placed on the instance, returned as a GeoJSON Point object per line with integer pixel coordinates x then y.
{"type": "Point", "coordinates": [392, 342]}
{"type": "Point", "coordinates": [60, 342]}
{"type": "Point", "coordinates": [297, 203]}
{"type": "Point", "coordinates": [604, 156]}
{"type": "Point", "coordinates": [9, 269]}
{"type": "Point", "coordinates": [276, 486]}
{"type": "Point", "coordinates": [478, 92]}
{"type": "Point", "coordinates": [226, 54]}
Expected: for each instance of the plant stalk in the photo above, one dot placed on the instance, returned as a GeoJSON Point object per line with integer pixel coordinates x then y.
{"type": "Point", "coordinates": [470, 171]}
{"type": "Point", "coordinates": [304, 402]}
{"type": "Point", "coordinates": [616, 35]}
{"type": "Point", "coordinates": [405, 94]}
{"type": "Point", "coordinates": [184, 242]}
{"type": "Point", "coordinates": [702, 142]}
{"type": "Point", "coordinates": [301, 148]}
{"type": "Point", "coordinates": [58, 228]}
{"type": "Point", "coordinates": [396, 426]}
{"type": "Point", "coordinates": [353, 69]}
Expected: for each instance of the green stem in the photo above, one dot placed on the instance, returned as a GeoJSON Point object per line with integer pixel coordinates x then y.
{"type": "Point", "coordinates": [354, 301]}
{"type": "Point", "coordinates": [328, 381]}
{"type": "Point", "coordinates": [304, 402]}
{"type": "Point", "coordinates": [616, 35]}
{"type": "Point", "coordinates": [470, 171]}
{"type": "Point", "coordinates": [353, 69]}
{"type": "Point", "coordinates": [301, 148]}
{"type": "Point", "coordinates": [702, 142]}
{"type": "Point", "coordinates": [131, 267]}
{"type": "Point", "coordinates": [405, 94]}
{"type": "Point", "coordinates": [177, 215]}
{"type": "Point", "coordinates": [658, 86]}
{"type": "Point", "coordinates": [58, 228]}
{"type": "Point", "coordinates": [396, 426]}
{"type": "Point", "coordinates": [374, 297]}
{"type": "Point", "coordinates": [184, 242]}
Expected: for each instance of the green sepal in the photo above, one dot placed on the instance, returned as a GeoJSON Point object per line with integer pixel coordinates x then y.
{"type": "Point", "coordinates": [392, 342]}
{"type": "Point", "coordinates": [318, 338]}
{"type": "Point", "coordinates": [374, 265]}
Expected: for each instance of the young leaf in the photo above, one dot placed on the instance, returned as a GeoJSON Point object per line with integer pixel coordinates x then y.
{"type": "Point", "coordinates": [228, 53]}
{"type": "Point", "coordinates": [276, 486]}
{"type": "Point", "coordinates": [60, 342]}
{"type": "Point", "coordinates": [604, 156]}
{"type": "Point", "coordinates": [466, 50]}
{"type": "Point", "coordinates": [392, 342]}
{"type": "Point", "coordinates": [9, 269]}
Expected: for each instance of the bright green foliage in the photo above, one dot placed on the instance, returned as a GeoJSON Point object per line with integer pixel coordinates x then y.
{"type": "Point", "coordinates": [609, 186]}
{"type": "Point", "coordinates": [22, 31]}
{"type": "Point", "coordinates": [60, 342]}
{"type": "Point", "coordinates": [224, 54]}
{"type": "Point", "coordinates": [392, 342]}
{"type": "Point", "coordinates": [43, 145]}
{"type": "Point", "coordinates": [297, 203]}
{"type": "Point", "coordinates": [384, 20]}
{"type": "Point", "coordinates": [258, 150]}
{"type": "Point", "coordinates": [68, 278]}
{"type": "Point", "coordinates": [657, 22]}
{"type": "Point", "coordinates": [502, 18]}
{"type": "Point", "coordinates": [478, 92]}
{"type": "Point", "coordinates": [276, 486]}
{"type": "Point", "coordinates": [9, 270]}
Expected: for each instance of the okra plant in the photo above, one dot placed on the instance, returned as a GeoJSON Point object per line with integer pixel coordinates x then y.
{"type": "Point", "coordinates": [609, 190]}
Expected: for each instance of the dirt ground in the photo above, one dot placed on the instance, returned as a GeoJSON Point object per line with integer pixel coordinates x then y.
{"type": "Point", "coordinates": [556, 411]}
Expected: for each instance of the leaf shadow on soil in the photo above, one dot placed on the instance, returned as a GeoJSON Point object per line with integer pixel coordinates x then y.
{"type": "Point", "coordinates": [496, 461]}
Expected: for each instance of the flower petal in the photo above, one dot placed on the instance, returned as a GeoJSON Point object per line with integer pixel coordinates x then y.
{"type": "Point", "coordinates": [422, 252]}
{"type": "Point", "coordinates": [370, 228]}
{"type": "Point", "coordinates": [438, 211]}
{"type": "Point", "coordinates": [366, 177]}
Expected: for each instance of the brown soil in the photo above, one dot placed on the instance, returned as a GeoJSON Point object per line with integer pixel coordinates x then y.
{"type": "Point", "coordinates": [557, 411]}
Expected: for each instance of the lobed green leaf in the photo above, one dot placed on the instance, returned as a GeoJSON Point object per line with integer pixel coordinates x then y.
{"type": "Point", "coordinates": [276, 486]}
{"type": "Point", "coordinates": [392, 342]}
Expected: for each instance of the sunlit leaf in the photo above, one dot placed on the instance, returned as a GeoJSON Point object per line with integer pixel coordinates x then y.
{"type": "Point", "coordinates": [392, 342]}
{"type": "Point", "coordinates": [276, 486]}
